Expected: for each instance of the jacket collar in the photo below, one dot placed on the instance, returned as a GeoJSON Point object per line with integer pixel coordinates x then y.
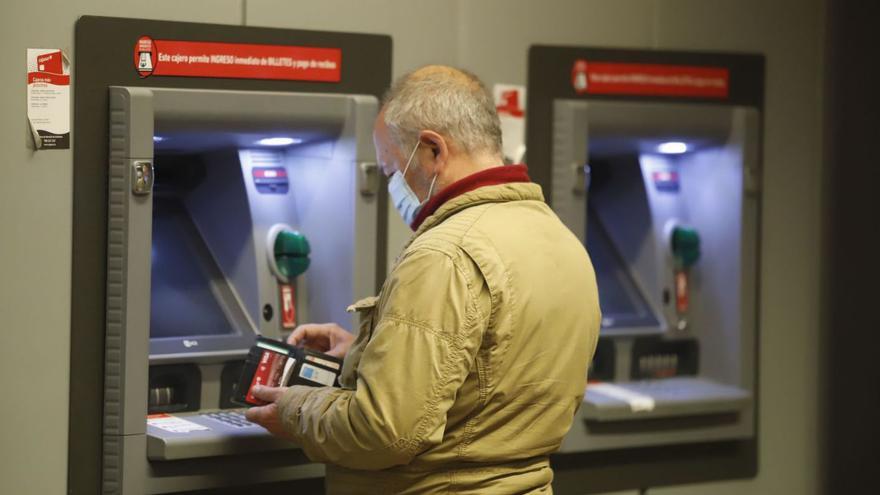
{"type": "Point", "coordinates": [501, 193]}
{"type": "Point", "coordinates": [488, 177]}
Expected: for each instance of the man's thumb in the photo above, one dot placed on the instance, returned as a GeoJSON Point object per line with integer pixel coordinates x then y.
{"type": "Point", "coordinates": [268, 394]}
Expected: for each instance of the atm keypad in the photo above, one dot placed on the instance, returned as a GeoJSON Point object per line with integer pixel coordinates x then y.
{"type": "Point", "coordinates": [231, 418]}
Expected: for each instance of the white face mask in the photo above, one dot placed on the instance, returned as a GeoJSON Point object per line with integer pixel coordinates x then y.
{"type": "Point", "coordinates": [403, 197]}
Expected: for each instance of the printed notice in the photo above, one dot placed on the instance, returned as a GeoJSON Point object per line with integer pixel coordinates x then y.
{"type": "Point", "coordinates": [174, 424]}
{"type": "Point", "coordinates": [48, 98]}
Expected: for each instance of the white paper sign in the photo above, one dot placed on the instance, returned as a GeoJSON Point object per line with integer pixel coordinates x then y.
{"type": "Point", "coordinates": [510, 101]}
{"type": "Point", "coordinates": [48, 97]}
{"type": "Point", "coordinates": [174, 424]}
{"type": "Point", "coordinates": [637, 402]}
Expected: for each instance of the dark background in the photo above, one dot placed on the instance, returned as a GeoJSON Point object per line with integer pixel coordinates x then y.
{"type": "Point", "coordinates": [851, 371]}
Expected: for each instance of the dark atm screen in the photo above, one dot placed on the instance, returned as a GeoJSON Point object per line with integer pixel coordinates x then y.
{"type": "Point", "coordinates": [184, 297]}
{"type": "Point", "coordinates": [622, 303]}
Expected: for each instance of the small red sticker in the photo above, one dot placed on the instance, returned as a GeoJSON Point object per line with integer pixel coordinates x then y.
{"type": "Point", "coordinates": [145, 56]}
{"type": "Point", "coordinates": [288, 307]}
{"type": "Point", "coordinates": [510, 103]}
{"type": "Point", "coordinates": [682, 299]}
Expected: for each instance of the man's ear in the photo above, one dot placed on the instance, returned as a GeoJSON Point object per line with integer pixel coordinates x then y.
{"type": "Point", "coordinates": [438, 145]}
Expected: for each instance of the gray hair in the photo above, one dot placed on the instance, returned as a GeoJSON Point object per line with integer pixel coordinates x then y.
{"type": "Point", "coordinates": [449, 101]}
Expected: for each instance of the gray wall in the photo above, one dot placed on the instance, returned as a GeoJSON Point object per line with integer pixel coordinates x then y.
{"type": "Point", "coordinates": [489, 37]}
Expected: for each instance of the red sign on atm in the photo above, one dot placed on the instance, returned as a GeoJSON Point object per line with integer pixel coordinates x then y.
{"type": "Point", "coordinates": [617, 78]}
{"type": "Point", "coordinates": [236, 60]}
{"type": "Point", "coordinates": [288, 307]}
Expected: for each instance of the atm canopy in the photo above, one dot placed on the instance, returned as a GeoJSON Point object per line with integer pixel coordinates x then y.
{"type": "Point", "coordinates": [199, 120]}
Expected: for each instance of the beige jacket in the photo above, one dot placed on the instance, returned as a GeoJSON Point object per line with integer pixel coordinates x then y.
{"type": "Point", "coordinates": [469, 366]}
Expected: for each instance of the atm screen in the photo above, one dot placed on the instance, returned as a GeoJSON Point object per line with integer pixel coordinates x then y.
{"type": "Point", "coordinates": [620, 299]}
{"type": "Point", "coordinates": [184, 298]}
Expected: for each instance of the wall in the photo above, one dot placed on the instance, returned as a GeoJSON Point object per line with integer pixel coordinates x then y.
{"type": "Point", "coordinates": [491, 38]}
{"type": "Point", "coordinates": [35, 242]}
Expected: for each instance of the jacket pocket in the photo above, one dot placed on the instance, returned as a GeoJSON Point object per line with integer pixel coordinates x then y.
{"type": "Point", "coordinates": [366, 309]}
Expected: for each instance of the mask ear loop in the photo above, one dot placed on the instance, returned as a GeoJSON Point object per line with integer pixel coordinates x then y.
{"type": "Point", "coordinates": [431, 189]}
{"type": "Point", "coordinates": [411, 155]}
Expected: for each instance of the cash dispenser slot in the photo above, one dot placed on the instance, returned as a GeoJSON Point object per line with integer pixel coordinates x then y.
{"type": "Point", "coordinates": [228, 383]}
{"type": "Point", "coordinates": [657, 358]}
{"type": "Point", "coordinates": [174, 388]}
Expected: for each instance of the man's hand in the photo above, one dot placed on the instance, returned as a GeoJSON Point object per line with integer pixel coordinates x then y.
{"type": "Point", "coordinates": [267, 416]}
{"type": "Point", "coordinates": [328, 338]}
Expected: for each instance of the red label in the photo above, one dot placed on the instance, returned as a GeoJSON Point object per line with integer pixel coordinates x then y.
{"type": "Point", "coordinates": [56, 79]}
{"type": "Point", "coordinates": [681, 292]}
{"type": "Point", "coordinates": [510, 104]}
{"type": "Point", "coordinates": [615, 78]}
{"type": "Point", "coordinates": [288, 307]}
{"type": "Point", "coordinates": [145, 56]}
{"type": "Point", "coordinates": [665, 176]}
{"type": "Point", "coordinates": [268, 373]}
{"type": "Point", "coordinates": [665, 180]}
{"type": "Point", "coordinates": [236, 60]}
{"type": "Point", "coordinates": [269, 173]}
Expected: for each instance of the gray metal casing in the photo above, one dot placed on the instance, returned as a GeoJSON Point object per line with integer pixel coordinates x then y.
{"type": "Point", "coordinates": [342, 215]}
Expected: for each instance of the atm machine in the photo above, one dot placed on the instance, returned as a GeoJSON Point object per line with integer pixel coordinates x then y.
{"type": "Point", "coordinates": [232, 214]}
{"type": "Point", "coordinates": [233, 209]}
{"type": "Point", "coordinates": [652, 160]}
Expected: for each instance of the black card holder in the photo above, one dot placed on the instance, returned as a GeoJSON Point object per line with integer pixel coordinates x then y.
{"type": "Point", "coordinates": [273, 363]}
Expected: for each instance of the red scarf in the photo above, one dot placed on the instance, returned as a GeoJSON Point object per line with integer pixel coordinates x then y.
{"type": "Point", "coordinates": [490, 177]}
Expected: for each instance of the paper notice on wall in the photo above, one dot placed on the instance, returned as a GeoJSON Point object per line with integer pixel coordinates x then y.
{"type": "Point", "coordinates": [48, 97]}
{"type": "Point", "coordinates": [510, 101]}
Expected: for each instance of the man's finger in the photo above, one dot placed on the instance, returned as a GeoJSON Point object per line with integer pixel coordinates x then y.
{"type": "Point", "coordinates": [268, 394]}
{"type": "Point", "coordinates": [337, 352]}
{"type": "Point", "coordinates": [257, 414]}
{"type": "Point", "coordinates": [302, 332]}
{"type": "Point", "coordinates": [296, 335]}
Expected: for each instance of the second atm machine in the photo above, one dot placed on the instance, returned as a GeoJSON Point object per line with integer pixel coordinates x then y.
{"type": "Point", "coordinates": [235, 209]}
{"type": "Point", "coordinates": [652, 159]}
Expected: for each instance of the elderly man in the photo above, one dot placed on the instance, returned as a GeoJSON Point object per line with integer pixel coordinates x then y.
{"type": "Point", "coordinates": [469, 366]}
